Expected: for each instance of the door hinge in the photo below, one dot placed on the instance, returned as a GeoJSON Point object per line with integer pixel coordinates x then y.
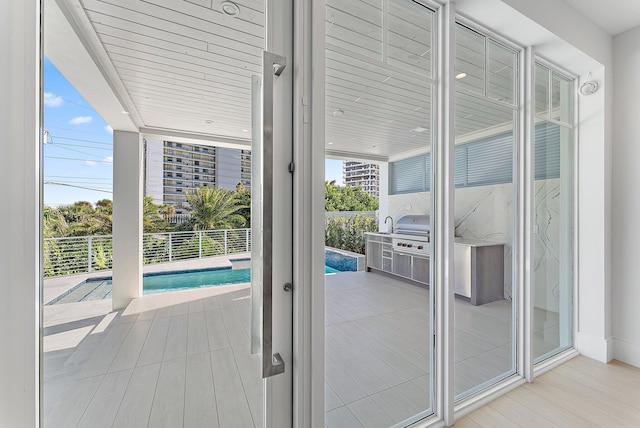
{"type": "Point", "coordinates": [292, 167]}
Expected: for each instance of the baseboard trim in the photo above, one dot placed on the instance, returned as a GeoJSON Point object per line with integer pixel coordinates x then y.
{"type": "Point", "coordinates": [625, 351]}
{"type": "Point", "coordinates": [594, 347]}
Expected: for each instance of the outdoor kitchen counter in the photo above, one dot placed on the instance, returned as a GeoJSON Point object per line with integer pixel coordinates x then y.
{"type": "Point", "coordinates": [397, 235]}
{"type": "Point", "coordinates": [475, 243]}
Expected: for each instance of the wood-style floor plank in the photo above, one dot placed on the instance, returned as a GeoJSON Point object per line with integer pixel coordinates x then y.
{"type": "Point", "coordinates": [576, 394]}
{"type": "Point", "coordinates": [136, 404]}
{"type": "Point", "coordinates": [153, 347]}
{"type": "Point", "coordinates": [167, 409]}
{"type": "Point", "coordinates": [200, 408]}
{"type": "Point", "coordinates": [104, 406]}
{"type": "Point", "coordinates": [233, 408]}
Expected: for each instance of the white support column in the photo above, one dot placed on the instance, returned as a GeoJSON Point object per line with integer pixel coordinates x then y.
{"type": "Point", "coordinates": [20, 215]}
{"type": "Point", "coordinates": [383, 199]}
{"type": "Point", "coordinates": [127, 218]}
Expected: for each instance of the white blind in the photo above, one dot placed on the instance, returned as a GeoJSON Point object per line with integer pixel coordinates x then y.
{"type": "Point", "coordinates": [481, 163]}
{"type": "Point", "coordinates": [408, 175]}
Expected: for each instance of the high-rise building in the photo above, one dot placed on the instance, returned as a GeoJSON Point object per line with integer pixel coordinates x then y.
{"type": "Point", "coordinates": [365, 175]}
{"type": "Point", "coordinates": [171, 169]}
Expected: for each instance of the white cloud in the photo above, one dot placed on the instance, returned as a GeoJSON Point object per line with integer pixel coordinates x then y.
{"type": "Point", "coordinates": [52, 100]}
{"type": "Point", "coordinates": [109, 159]}
{"type": "Point", "coordinates": [80, 120]}
{"type": "Point", "coordinates": [108, 129]}
{"type": "Point", "coordinates": [90, 163]}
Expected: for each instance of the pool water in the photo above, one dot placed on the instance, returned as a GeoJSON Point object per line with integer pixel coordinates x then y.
{"type": "Point", "coordinates": [172, 281]}
{"type": "Point", "coordinates": [159, 282]}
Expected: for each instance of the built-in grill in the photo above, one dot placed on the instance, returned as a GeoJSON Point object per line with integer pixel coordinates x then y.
{"type": "Point", "coordinates": [416, 231]}
{"type": "Point", "coordinates": [417, 225]}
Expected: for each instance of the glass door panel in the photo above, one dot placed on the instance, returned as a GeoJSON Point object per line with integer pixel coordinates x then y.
{"type": "Point", "coordinates": [379, 129]}
{"type": "Point", "coordinates": [553, 209]}
{"type": "Point", "coordinates": [485, 212]}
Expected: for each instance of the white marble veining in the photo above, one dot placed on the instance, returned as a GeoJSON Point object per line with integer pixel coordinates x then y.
{"type": "Point", "coordinates": [486, 213]}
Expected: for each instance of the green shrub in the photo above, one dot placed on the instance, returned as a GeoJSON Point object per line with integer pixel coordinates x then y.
{"type": "Point", "coordinates": [347, 233]}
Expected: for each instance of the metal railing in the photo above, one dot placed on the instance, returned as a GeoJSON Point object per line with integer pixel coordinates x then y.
{"type": "Point", "coordinates": [84, 254]}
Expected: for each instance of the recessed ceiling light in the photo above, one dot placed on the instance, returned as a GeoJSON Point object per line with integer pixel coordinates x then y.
{"type": "Point", "coordinates": [229, 8]}
{"type": "Point", "coordinates": [418, 129]}
{"type": "Point", "coordinates": [124, 112]}
{"type": "Point", "coordinates": [209, 121]}
{"type": "Point", "coordinates": [338, 112]}
{"type": "Point", "coordinates": [245, 130]}
{"type": "Point", "coordinates": [330, 144]}
{"type": "Point", "coordinates": [357, 99]}
{"type": "Point", "coordinates": [461, 75]}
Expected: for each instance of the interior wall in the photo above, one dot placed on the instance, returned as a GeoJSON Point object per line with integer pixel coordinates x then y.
{"type": "Point", "coordinates": [20, 215]}
{"type": "Point", "coordinates": [626, 198]}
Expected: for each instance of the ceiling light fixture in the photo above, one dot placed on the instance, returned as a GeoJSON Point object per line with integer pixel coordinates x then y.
{"type": "Point", "coordinates": [338, 112]}
{"type": "Point", "coordinates": [330, 144]}
{"type": "Point", "coordinates": [461, 75]}
{"type": "Point", "coordinates": [245, 130]}
{"type": "Point", "coordinates": [229, 8]}
{"type": "Point", "coordinates": [124, 112]}
{"type": "Point", "coordinates": [419, 129]}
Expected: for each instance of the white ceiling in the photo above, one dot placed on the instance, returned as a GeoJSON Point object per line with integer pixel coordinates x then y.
{"type": "Point", "coordinates": [613, 16]}
{"type": "Point", "coordinates": [185, 67]}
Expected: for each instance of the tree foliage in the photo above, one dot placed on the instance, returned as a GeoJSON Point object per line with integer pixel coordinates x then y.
{"type": "Point", "coordinates": [214, 208]}
{"type": "Point", "coordinates": [347, 198]}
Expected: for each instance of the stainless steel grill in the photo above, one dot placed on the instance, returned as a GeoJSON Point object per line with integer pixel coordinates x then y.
{"type": "Point", "coordinates": [416, 225]}
{"type": "Point", "coordinates": [411, 235]}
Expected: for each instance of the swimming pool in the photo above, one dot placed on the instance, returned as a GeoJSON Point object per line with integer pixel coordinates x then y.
{"type": "Point", "coordinates": [160, 282]}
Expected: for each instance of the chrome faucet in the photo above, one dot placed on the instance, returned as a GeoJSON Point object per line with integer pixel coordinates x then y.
{"type": "Point", "coordinates": [387, 218]}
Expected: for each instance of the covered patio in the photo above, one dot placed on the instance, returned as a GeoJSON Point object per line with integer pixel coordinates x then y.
{"type": "Point", "coordinates": [184, 357]}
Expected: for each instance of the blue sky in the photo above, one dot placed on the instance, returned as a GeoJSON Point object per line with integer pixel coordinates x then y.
{"type": "Point", "coordinates": [78, 155]}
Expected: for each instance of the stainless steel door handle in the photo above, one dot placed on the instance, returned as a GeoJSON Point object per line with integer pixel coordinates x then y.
{"type": "Point", "coordinates": [272, 65]}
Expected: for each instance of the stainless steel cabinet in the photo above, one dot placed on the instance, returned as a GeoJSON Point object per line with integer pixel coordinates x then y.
{"type": "Point", "coordinates": [479, 272]}
{"type": "Point", "coordinates": [420, 270]}
{"type": "Point", "coordinates": [402, 264]}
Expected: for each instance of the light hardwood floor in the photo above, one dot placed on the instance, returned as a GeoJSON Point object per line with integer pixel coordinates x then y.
{"type": "Point", "coordinates": [581, 393]}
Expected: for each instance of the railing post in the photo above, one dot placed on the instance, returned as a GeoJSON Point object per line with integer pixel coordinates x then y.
{"type": "Point", "coordinates": [246, 240]}
{"type": "Point", "coordinates": [89, 254]}
{"type": "Point", "coordinates": [200, 244]}
{"type": "Point", "coordinates": [225, 241]}
{"type": "Point", "coordinates": [170, 255]}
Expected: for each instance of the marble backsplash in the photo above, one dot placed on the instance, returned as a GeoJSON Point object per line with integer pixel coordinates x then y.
{"type": "Point", "coordinates": [486, 213]}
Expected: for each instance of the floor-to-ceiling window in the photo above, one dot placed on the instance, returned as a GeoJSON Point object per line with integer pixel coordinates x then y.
{"type": "Point", "coordinates": [380, 96]}
{"type": "Point", "coordinates": [485, 174]}
{"type": "Point", "coordinates": [552, 285]}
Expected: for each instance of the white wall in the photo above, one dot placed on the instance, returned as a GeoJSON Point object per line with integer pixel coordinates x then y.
{"type": "Point", "coordinates": [626, 198]}
{"type": "Point", "coordinates": [20, 213]}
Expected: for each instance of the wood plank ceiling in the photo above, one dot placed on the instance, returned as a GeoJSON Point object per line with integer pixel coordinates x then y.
{"type": "Point", "coordinates": [187, 66]}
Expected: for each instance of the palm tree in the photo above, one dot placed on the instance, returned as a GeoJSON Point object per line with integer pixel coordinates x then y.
{"type": "Point", "coordinates": [214, 208]}
{"type": "Point", "coordinates": [152, 220]}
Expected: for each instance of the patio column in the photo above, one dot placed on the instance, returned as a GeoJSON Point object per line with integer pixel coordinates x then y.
{"type": "Point", "coordinates": [127, 218]}
{"type": "Point", "coordinates": [383, 197]}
